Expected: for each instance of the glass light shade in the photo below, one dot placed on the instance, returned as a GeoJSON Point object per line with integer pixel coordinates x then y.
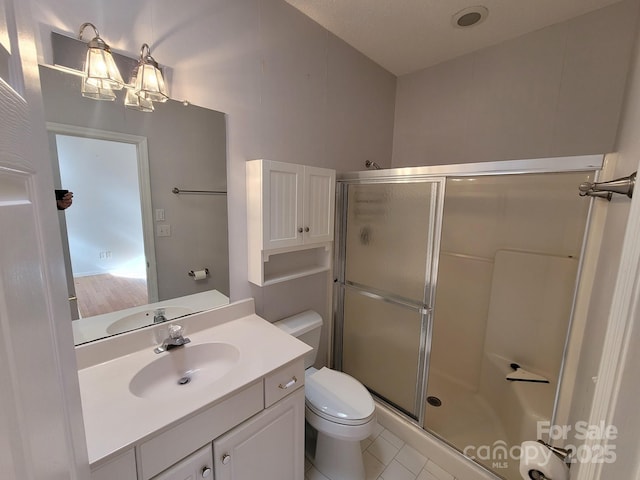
{"type": "Point", "coordinates": [136, 102]}
{"type": "Point", "coordinates": [150, 83]}
{"type": "Point", "coordinates": [91, 90]}
{"type": "Point", "coordinates": [101, 70]}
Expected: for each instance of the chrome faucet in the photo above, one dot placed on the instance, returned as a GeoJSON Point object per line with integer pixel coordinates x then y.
{"type": "Point", "coordinates": [174, 340]}
{"type": "Point", "coordinates": [159, 315]}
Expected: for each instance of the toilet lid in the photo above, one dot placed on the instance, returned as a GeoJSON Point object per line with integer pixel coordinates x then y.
{"type": "Point", "coordinates": [338, 395]}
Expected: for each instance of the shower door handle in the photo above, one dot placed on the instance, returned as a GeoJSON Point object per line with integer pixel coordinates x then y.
{"type": "Point", "coordinates": [386, 297]}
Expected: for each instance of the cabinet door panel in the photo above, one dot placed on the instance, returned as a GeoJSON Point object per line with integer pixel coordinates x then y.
{"type": "Point", "coordinates": [319, 190]}
{"type": "Point", "coordinates": [170, 446]}
{"type": "Point", "coordinates": [269, 446]}
{"type": "Point", "coordinates": [282, 183]}
{"type": "Point", "coordinates": [197, 466]}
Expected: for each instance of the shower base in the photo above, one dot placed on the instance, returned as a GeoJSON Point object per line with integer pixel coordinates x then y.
{"type": "Point", "coordinates": [467, 421]}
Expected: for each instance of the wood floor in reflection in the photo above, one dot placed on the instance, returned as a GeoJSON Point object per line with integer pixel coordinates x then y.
{"type": "Point", "coordinates": [106, 293]}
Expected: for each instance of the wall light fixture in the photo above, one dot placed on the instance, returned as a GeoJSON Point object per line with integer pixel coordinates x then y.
{"type": "Point", "coordinates": [100, 71]}
{"type": "Point", "coordinates": [131, 100]}
{"type": "Point", "coordinates": [149, 82]}
{"type": "Point", "coordinates": [97, 93]}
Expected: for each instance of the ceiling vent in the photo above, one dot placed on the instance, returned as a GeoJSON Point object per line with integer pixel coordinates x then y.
{"type": "Point", "coordinates": [470, 16]}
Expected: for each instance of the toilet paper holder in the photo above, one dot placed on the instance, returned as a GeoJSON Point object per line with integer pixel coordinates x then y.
{"type": "Point", "coordinates": [563, 453]}
{"type": "Point", "coordinates": [192, 273]}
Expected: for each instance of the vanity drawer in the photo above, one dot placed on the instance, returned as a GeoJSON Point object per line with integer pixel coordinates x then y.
{"type": "Point", "coordinates": [171, 446]}
{"type": "Point", "coordinates": [283, 381]}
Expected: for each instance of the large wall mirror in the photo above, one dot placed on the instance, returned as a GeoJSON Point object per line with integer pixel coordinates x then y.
{"type": "Point", "coordinates": [135, 251]}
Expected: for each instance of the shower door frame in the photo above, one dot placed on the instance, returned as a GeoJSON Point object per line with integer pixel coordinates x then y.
{"type": "Point", "coordinates": [583, 163]}
{"type": "Point", "coordinates": [425, 309]}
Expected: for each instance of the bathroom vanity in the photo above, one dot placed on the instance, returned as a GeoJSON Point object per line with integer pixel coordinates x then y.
{"type": "Point", "coordinates": [227, 405]}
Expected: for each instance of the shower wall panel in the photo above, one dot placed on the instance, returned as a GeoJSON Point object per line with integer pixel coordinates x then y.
{"type": "Point", "coordinates": [462, 302]}
{"type": "Point", "coordinates": [529, 311]}
{"type": "Point", "coordinates": [539, 213]}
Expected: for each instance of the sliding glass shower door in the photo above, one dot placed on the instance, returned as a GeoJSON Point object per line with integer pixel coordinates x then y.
{"type": "Point", "coordinates": [386, 286]}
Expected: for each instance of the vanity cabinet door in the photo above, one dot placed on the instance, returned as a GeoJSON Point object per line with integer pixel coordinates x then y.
{"type": "Point", "coordinates": [269, 446]}
{"type": "Point", "coordinates": [197, 466]}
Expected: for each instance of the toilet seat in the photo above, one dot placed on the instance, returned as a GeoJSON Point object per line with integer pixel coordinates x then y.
{"type": "Point", "coordinates": [338, 397]}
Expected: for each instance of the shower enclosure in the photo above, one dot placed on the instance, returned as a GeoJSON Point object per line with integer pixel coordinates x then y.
{"type": "Point", "coordinates": [451, 279]}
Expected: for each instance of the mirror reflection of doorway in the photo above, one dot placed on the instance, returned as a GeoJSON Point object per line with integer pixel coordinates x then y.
{"type": "Point", "coordinates": [104, 225]}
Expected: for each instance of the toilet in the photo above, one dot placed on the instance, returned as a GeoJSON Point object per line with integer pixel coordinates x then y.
{"type": "Point", "coordinates": [337, 406]}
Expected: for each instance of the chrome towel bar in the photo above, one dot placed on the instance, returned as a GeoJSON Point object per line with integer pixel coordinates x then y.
{"type": "Point", "coordinates": [178, 191]}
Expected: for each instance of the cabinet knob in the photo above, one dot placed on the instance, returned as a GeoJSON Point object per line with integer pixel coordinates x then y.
{"type": "Point", "coordinates": [306, 229]}
{"type": "Point", "coordinates": [206, 471]}
{"type": "Point", "coordinates": [299, 229]}
{"type": "Point", "coordinates": [226, 458]}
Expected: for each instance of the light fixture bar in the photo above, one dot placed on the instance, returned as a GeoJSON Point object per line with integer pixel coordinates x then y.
{"type": "Point", "coordinates": [69, 54]}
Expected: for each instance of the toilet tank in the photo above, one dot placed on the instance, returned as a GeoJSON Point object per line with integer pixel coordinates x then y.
{"type": "Point", "coordinates": [306, 327]}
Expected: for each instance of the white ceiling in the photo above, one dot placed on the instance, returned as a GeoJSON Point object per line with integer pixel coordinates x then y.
{"type": "Point", "coordinates": [404, 36]}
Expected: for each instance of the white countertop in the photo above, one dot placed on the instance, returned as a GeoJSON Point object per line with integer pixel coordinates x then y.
{"type": "Point", "coordinates": [92, 328]}
{"type": "Point", "coordinates": [115, 419]}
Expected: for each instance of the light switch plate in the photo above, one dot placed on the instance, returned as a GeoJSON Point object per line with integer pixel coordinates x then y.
{"type": "Point", "coordinates": [163, 231]}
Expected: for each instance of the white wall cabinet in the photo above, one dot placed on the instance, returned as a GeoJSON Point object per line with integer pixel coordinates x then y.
{"type": "Point", "coordinates": [269, 446]}
{"type": "Point", "coordinates": [290, 215]}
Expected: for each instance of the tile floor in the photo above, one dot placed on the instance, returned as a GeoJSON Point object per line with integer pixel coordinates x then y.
{"type": "Point", "coordinates": [386, 457]}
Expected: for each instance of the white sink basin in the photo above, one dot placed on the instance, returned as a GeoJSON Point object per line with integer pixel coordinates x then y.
{"type": "Point", "coordinates": [182, 370]}
{"type": "Point", "coordinates": [142, 319]}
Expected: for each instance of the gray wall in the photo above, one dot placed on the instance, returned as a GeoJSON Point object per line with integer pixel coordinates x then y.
{"type": "Point", "coordinates": [292, 92]}
{"type": "Point", "coordinates": [554, 92]}
{"type": "Point", "coordinates": [187, 149]}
